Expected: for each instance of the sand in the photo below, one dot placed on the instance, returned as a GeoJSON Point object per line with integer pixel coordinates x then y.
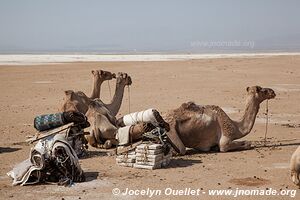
{"type": "Point", "coordinates": [29, 90]}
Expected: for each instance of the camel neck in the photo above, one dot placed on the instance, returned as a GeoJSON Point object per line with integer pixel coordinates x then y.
{"type": "Point", "coordinates": [246, 123]}
{"type": "Point", "coordinates": [116, 102]}
{"type": "Point", "coordinates": [96, 89]}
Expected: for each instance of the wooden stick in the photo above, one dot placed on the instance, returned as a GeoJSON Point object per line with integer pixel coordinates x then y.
{"type": "Point", "coordinates": [49, 133]}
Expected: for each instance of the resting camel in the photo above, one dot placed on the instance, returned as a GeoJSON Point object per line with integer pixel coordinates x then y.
{"type": "Point", "coordinates": [295, 167]}
{"type": "Point", "coordinates": [203, 127]}
{"type": "Point", "coordinates": [101, 116]}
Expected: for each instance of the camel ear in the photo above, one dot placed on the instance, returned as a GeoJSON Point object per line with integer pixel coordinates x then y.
{"type": "Point", "coordinates": [247, 89]}
{"type": "Point", "coordinates": [69, 94]}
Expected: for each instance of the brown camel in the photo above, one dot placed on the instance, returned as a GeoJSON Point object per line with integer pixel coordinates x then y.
{"type": "Point", "coordinates": [101, 116]}
{"type": "Point", "coordinates": [104, 126]}
{"type": "Point", "coordinates": [99, 76]}
{"type": "Point", "coordinates": [203, 127]}
{"type": "Point", "coordinates": [78, 101]}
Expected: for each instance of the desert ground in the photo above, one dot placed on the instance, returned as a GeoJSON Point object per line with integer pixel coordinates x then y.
{"type": "Point", "coordinates": [27, 91]}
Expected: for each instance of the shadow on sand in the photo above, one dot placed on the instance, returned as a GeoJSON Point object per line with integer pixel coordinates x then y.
{"type": "Point", "coordinates": [8, 149]}
{"type": "Point", "coordinates": [182, 162]}
{"type": "Point", "coordinates": [255, 145]}
{"type": "Point", "coordinates": [283, 143]}
{"type": "Point", "coordinates": [97, 153]}
{"type": "Point", "coordinates": [90, 176]}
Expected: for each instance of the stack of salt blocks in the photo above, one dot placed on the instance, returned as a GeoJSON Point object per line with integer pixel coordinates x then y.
{"type": "Point", "coordinates": [145, 156]}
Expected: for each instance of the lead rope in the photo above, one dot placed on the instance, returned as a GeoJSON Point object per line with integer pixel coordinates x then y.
{"type": "Point", "coordinates": [128, 98]}
{"type": "Point", "coordinates": [128, 88]}
{"type": "Point", "coordinates": [109, 88]}
{"type": "Point", "coordinates": [267, 121]}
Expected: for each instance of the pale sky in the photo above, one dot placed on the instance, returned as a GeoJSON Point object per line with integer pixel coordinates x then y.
{"type": "Point", "coordinates": [148, 26]}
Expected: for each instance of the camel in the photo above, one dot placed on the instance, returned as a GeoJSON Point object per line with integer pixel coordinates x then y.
{"type": "Point", "coordinates": [295, 167]}
{"type": "Point", "coordinates": [104, 129]}
{"type": "Point", "coordinates": [99, 76]}
{"type": "Point", "coordinates": [78, 101]}
{"type": "Point", "coordinates": [204, 127]}
{"type": "Point", "coordinates": [101, 116]}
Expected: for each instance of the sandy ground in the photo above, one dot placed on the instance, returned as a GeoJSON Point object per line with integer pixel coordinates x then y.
{"type": "Point", "coordinates": [27, 91]}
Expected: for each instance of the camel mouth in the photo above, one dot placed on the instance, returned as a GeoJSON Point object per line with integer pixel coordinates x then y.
{"type": "Point", "coordinates": [272, 95]}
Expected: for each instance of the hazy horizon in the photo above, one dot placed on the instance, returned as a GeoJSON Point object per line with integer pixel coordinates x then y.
{"type": "Point", "coordinates": [136, 26]}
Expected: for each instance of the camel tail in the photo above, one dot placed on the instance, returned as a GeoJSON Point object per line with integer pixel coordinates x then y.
{"type": "Point", "coordinates": [295, 177]}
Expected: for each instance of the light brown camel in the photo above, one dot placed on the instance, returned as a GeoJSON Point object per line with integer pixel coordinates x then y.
{"type": "Point", "coordinates": [295, 167]}
{"type": "Point", "coordinates": [101, 116]}
{"type": "Point", "coordinates": [104, 126]}
{"type": "Point", "coordinates": [78, 101]}
{"type": "Point", "coordinates": [99, 76]}
{"type": "Point", "coordinates": [203, 127]}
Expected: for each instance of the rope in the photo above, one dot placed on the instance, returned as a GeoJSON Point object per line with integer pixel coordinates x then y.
{"type": "Point", "coordinates": [267, 121]}
{"type": "Point", "coordinates": [109, 88]}
{"type": "Point", "coordinates": [128, 98]}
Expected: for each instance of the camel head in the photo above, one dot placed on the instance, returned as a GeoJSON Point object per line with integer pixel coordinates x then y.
{"type": "Point", "coordinates": [260, 93]}
{"type": "Point", "coordinates": [75, 101]}
{"type": "Point", "coordinates": [124, 79]}
{"type": "Point", "coordinates": [104, 75]}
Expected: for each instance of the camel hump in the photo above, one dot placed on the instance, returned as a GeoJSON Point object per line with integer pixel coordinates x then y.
{"type": "Point", "coordinates": [191, 106]}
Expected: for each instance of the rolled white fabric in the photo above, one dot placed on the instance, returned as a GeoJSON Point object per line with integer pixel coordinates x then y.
{"type": "Point", "coordinates": [123, 135]}
{"type": "Point", "coordinates": [143, 116]}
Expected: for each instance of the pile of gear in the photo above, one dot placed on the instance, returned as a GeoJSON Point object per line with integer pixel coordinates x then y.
{"type": "Point", "coordinates": [54, 158]}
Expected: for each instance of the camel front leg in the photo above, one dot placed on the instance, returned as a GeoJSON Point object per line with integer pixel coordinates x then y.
{"type": "Point", "coordinates": [228, 145]}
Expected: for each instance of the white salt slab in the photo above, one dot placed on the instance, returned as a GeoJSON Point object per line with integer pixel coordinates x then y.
{"type": "Point", "coordinates": [149, 146]}
{"type": "Point", "coordinates": [146, 166]}
{"type": "Point", "coordinates": [152, 159]}
{"type": "Point", "coordinates": [124, 160]}
{"type": "Point", "coordinates": [126, 156]}
{"type": "Point", "coordinates": [125, 164]}
{"type": "Point", "coordinates": [155, 163]}
{"type": "Point", "coordinates": [149, 152]}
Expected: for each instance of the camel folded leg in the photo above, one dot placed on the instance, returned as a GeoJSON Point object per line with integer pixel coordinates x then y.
{"type": "Point", "coordinates": [228, 145]}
